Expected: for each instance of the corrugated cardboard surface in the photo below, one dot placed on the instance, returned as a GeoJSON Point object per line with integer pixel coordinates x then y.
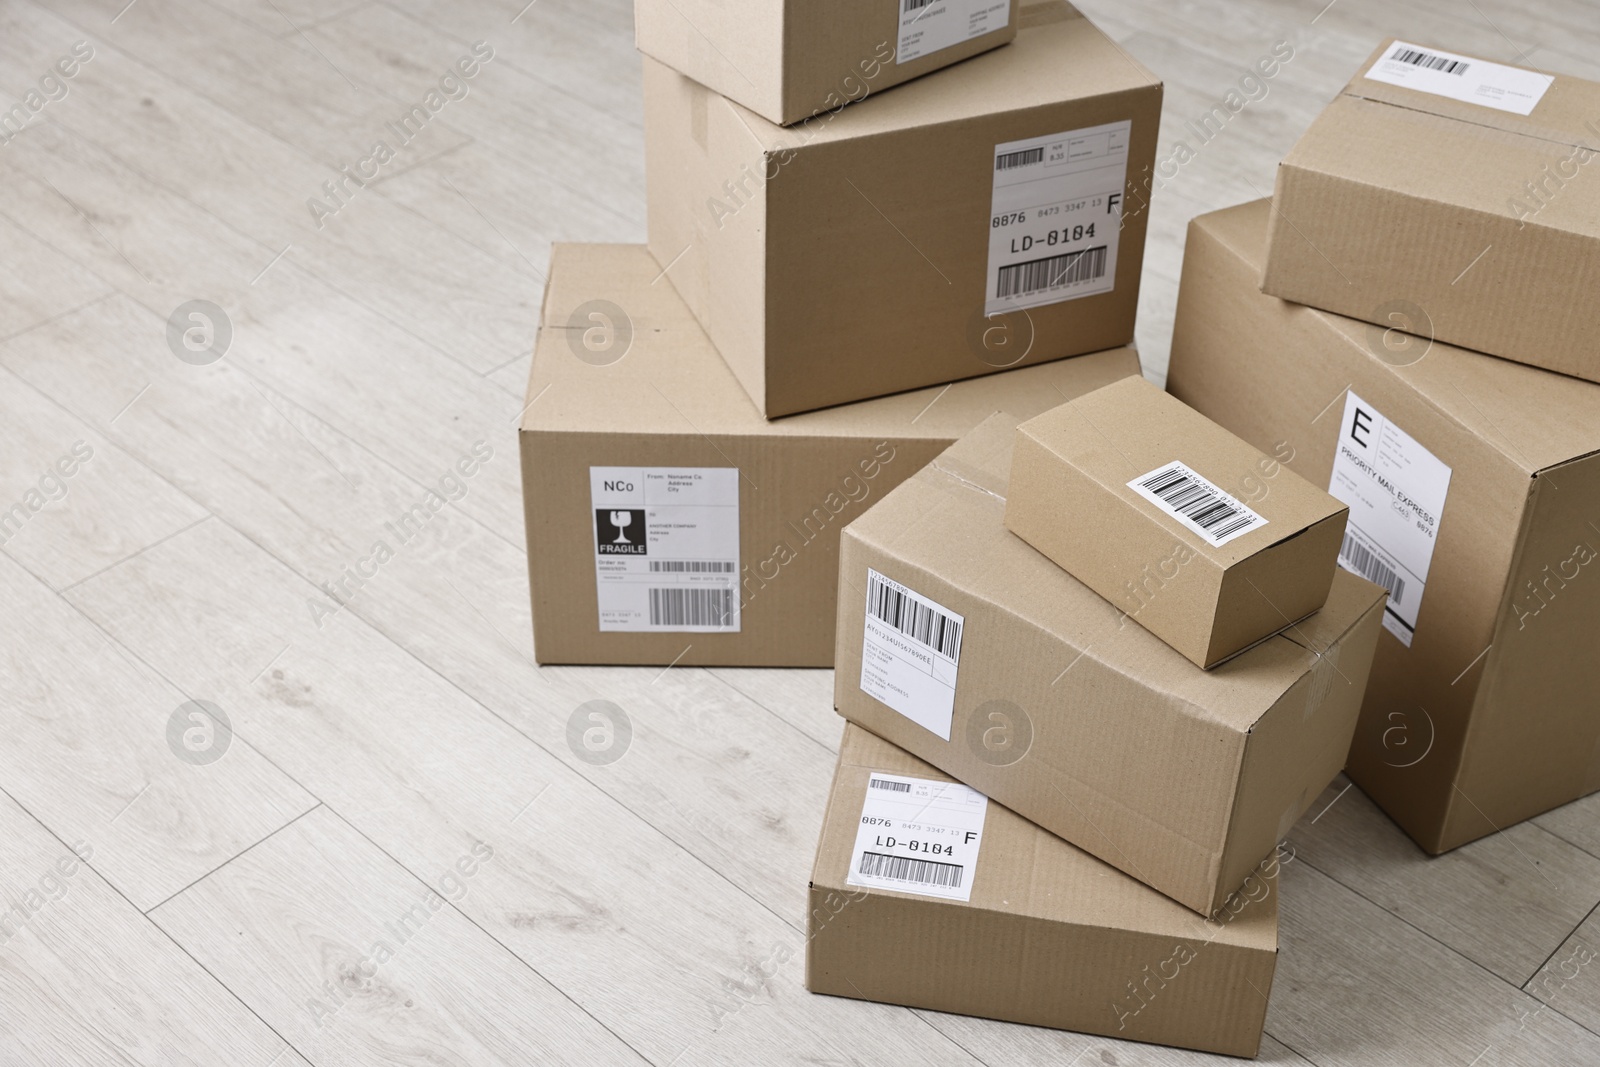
{"type": "Point", "coordinates": [1051, 937]}
{"type": "Point", "coordinates": [1176, 775]}
{"type": "Point", "coordinates": [859, 267]}
{"type": "Point", "coordinates": [1493, 714]}
{"type": "Point", "coordinates": [1070, 499]}
{"type": "Point", "coordinates": [786, 60]}
{"type": "Point", "coordinates": [670, 401]}
{"type": "Point", "coordinates": [1399, 207]}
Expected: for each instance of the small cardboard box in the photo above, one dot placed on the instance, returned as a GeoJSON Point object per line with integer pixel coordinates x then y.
{"type": "Point", "coordinates": [1474, 492]}
{"type": "Point", "coordinates": [668, 522]}
{"type": "Point", "coordinates": [1199, 537]}
{"type": "Point", "coordinates": [961, 644]}
{"type": "Point", "coordinates": [786, 60]}
{"type": "Point", "coordinates": [984, 220]}
{"type": "Point", "coordinates": [946, 901]}
{"type": "Point", "coordinates": [1452, 198]}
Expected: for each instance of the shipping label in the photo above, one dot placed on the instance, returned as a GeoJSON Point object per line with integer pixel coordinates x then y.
{"type": "Point", "coordinates": [918, 836]}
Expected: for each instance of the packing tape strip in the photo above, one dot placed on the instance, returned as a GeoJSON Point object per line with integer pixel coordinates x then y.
{"type": "Point", "coordinates": [1043, 12]}
{"type": "Point", "coordinates": [1324, 672]}
{"type": "Point", "coordinates": [1291, 815]}
{"type": "Point", "coordinates": [971, 477]}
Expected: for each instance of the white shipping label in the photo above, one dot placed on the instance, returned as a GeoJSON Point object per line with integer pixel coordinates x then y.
{"type": "Point", "coordinates": [930, 25]}
{"type": "Point", "coordinates": [666, 548]}
{"type": "Point", "coordinates": [1472, 81]}
{"type": "Point", "coordinates": [918, 836]}
{"type": "Point", "coordinates": [1395, 489]}
{"type": "Point", "coordinates": [1056, 217]}
{"type": "Point", "coordinates": [910, 653]}
{"type": "Point", "coordinates": [1199, 505]}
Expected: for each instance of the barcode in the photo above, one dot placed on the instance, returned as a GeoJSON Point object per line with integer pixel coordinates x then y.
{"type": "Point", "coordinates": [916, 5]}
{"type": "Point", "coordinates": [1430, 61]}
{"type": "Point", "coordinates": [691, 607]}
{"type": "Point", "coordinates": [906, 869]}
{"type": "Point", "coordinates": [1197, 502]}
{"type": "Point", "coordinates": [914, 619]}
{"type": "Point", "coordinates": [1023, 279]}
{"type": "Point", "coordinates": [691, 566]}
{"type": "Point", "coordinates": [1365, 562]}
{"type": "Point", "coordinates": [897, 787]}
{"type": "Point", "coordinates": [1011, 160]}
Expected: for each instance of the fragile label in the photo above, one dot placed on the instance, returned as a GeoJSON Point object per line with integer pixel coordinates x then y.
{"type": "Point", "coordinates": [910, 653]}
{"type": "Point", "coordinates": [918, 836]}
{"type": "Point", "coordinates": [666, 548]}
{"type": "Point", "coordinates": [930, 25]}
{"type": "Point", "coordinates": [1395, 489]}
{"type": "Point", "coordinates": [1199, 505]}
{"type": "Point", "coordinates": [1056, 216]}
{"type": "Point", "coordinates": [1471, 81]}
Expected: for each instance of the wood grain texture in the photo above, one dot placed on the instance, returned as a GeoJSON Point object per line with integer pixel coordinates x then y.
{"type": "Point", "coordinates": [86, 750]}
{"type": "Point", "coordinates": [358, 962]}
{"type": "Point", "coordinates": [86, 979]}
{"type": "Point", "coordinates": [649, 908]}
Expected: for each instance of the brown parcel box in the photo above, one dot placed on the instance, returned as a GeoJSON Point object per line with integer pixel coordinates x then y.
{"type": "Point", "coordinates": [998, 667]}
{"type": "Point", "coordinates": [1484, 707]}
{"type": "Point", "coordinates": [863, 253]}
{"type": "Point", "coordinates": [1045, 934]}
{"type": "Point", "coordinates": [787, 60]}
{"type": "Point", "coordinates": [764, 502]}
{"type": "Point", "coordinates": [1191, 532]}
{"type": "Point", "coordinates": [1463, 217]}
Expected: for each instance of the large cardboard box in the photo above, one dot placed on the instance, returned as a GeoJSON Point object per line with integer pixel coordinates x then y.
{"type": "Point", "coordinates": [1474, 487]}
{"type": "Point", "coordinates": [961, 644]}
{"type": "Point", "coordinates": [1196, 535]}
{"type": "Point", "coordinates": [985, 219]}
{"type": "Point", "coordinates": [667, 521]}
{"type": "Point", "coordinates": [787, 60]}
{"type": "Point", "coordinates": [1452, 198]}
{"type": "Point", "coordinates": [926, 894]}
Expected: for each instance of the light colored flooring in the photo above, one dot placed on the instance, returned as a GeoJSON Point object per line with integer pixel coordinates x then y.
{"type": "Point", "coordinates": [624, 913]}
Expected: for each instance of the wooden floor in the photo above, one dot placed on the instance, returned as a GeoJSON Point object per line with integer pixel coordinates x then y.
{"type": "Point", "coordinates": [397, 772]}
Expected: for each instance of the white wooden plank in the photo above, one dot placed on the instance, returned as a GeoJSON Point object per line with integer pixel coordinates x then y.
{"type": "Point", "coordinates": [1569, 981]}
{"type": "Point", "coordinates": [1505, 901]}
{"type": "Point", "coordinates": [355, 961]}
{"type": "Point", "coordinates": [87, 980]}
{"type": "Point", "coordinates": [277, 84]}
{"type": "Point", "coordinates": [1355, 985]}
{"type": "Point", "coordinates": [37, 282]}
{"type": "Point", "coordinates": [423, 772]}
{"type": "Point", "coordinates": [72, 503]}
{"type": "Point", "coordinates": [87, 751]}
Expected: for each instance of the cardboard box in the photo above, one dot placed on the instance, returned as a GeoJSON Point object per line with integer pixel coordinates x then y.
{"type": "Point", "coordinates": [630, 412]}
{"type": "Point", "coordinates": [1482, 709]}
{"type": "Point", "coordinates": [786, 60]}
{"type": "Point", "coordinates": [1007, 921]}
{"type": "Point", "coordinates": [1199, 537]}
{"type": "Point", "coordinates": [961, 644]}
{"type": "Point", "coordinates": [862, 253]}
{"type": "Point", "coordinates": [1452, 198]}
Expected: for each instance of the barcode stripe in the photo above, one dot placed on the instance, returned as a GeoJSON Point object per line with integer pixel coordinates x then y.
{"type": "Point", "coordinates": [1199, 503]}
{"type": "Point", "coordinates": [1038, 275]}
{"type": "Point", "coordinates": [897, 787]}
{"type": "Point", "coordinates": [1361, 559]}
{"type": "Point", "coordinates": [691, 566]}
{"type": "Point", "coordinates": [1429, 61]}
{"type": "Point", "coordinates": [691, 607]}
{"type": "Point", "coordinates": [914, 619]}
{"type": "Point", "coordinates": [906, 869]}
{"type": "Point", "coordinates": [1022, 158]}
{"type": "Point", "coordinates": [916, 5]}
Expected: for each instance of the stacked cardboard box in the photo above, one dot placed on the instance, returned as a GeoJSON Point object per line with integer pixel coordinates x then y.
{"type": "Point", "coordinates": [1473, 482]}
{"type": "Point", "coordinates": [1135, 637]}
